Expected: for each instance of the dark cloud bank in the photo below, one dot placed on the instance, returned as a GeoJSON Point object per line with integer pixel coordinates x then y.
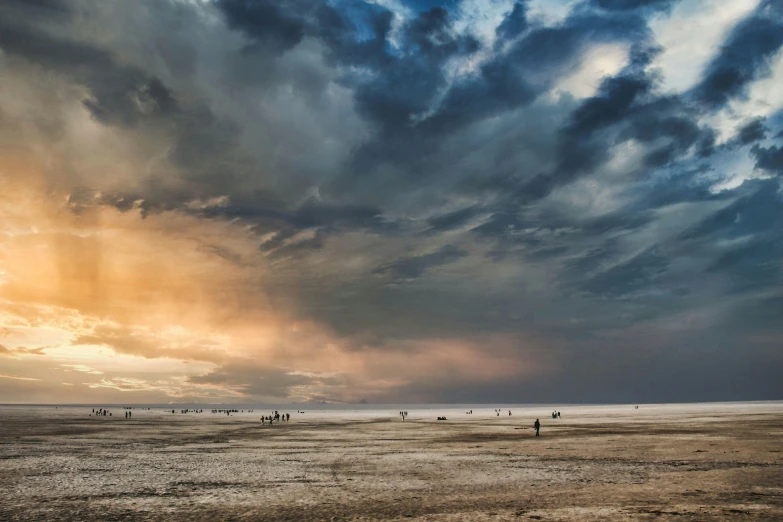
{"type": "Point", "coordinates": [473, 190]}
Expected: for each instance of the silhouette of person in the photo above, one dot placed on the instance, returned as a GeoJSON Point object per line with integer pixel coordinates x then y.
{"type": "Point", "coordinates": [537, 426]}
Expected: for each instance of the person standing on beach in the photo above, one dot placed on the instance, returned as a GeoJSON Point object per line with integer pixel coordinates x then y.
{"type": "Point", "coordinates": [537, 426]}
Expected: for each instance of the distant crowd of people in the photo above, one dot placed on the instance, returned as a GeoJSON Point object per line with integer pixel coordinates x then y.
{"type": "Point", "coordinates": [286, 417]}
{"type": "Point", "coordinates": [497, 412]}
{"type": "Point", "coordinates": [100, 412]}
{"type": "Point", "coordinates": [227, 412]}
{"type": "Point", "coordinates": [276, 417]}
{"type": "Point", "coordinates": [103, 412]}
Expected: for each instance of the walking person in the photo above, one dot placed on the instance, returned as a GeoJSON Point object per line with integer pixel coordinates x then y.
{"type": "Point", "coordinates": [537, 426]}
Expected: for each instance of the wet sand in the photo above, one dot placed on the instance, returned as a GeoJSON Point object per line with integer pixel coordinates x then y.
{"type": "Point", "coordinates": [695, 462]}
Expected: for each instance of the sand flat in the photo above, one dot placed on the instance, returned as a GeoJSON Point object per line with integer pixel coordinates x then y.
{"type": "Point", "coordinates": [696, 462]}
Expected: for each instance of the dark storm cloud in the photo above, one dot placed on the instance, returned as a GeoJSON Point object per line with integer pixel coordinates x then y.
{"type": "Point", "coordinates": [665, 120]}
{"type": "Point", "coordinates": [514, 23]}
{"type": "Point", "coordinates": [612, 104]}
{"type": "Point", "coordinates": [267, 214]}
{"type": "Point", "coordinates": [751, 132]}
{"type": "Point", "coordinates": [620, 220]}
{"type": "Point", "coordinates": [414, 106]}
{"type": "Point", "coordinates": [316, 242]}
{"type": "Point", "coordinates": [120, 95]}
{"type": "Point", "coordinates": [637, 274]}
{"type": "Point", "coordinates": [275, 25]}
{"type": "Point", "coordinates": [406, 85]}
{"type": "Point", "coordinates": [626, 107]}
{"type": "Point", "coordinates": [412, 267]}
{"type": "Point", "coordinates": [687, 185]}
{"type": "Point", "coordinates": [25, 10]}
{"type": "Point", "coordinates": [627, 5]}
{"type": "Point", "coordinates": [592, 260]}
{"type": "Point", "coordinates": [550, 230]}
{"type": "Point", "coordinates": [769, 158]}
{"type": "Point", "coordinates": [744, 56]}
{"type": "Point", "coordinates": [500, 225]}
{"type": "Point", "coordinates": [203, 144]}
{"type": "Point", "coordinates": [545, 234]}
{"type": "Point", "coordinates": [583, 142]}
{"type": "Point", "coordinates": [756, 210]}
{"type": "Point", "coordinates": [355, 32]}
{"type": "Point", "coordinates": [752, 229]}
{"type": "Point", "coordinates": [753, 265]}
{"type": "Point", "coordinates": [452, 220]}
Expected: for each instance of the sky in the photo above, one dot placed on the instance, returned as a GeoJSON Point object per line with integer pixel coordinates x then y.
{"type": "Point", "coordinates": [391, 201]}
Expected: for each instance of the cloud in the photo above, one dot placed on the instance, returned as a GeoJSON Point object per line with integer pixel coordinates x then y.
{"type": "Point", "coordinates": [119, 95]}
{"type": "Point", "coordinates": [82, 368]}
{"type": "Point", "coordinates": [751, 132]}
{"type": "Point", "coordinates": [412, 267]}
{"type": "Point", "coordinates": [258, 200]}
{"type": "Point", "coordinates": [514, 24]}
{"type": "Point", "coordinates": [22, 350]}
{"type": "Point", "coordinates": [744, 56]}
{"type": "Point", "coordinates": [172, 388]}
{"type": "Point", "coordinates": [626, 279]}
{"type": "Point", "coordinates": [18, 378]}
{"type": "Point", "coordinates": [30, 351]}
{"type": "Point", "coordinates": [628, 5]}
{"type": "Point", "coordinates": [143, 343]}
{"type": "Point", "coordinates": [769, 158]}
{"type": "Point", "coordinates": [452, 220]}
{"type": "Point", "coordinates": [274, 25]}
{"type": "Point", "coordinates": [255, 381]}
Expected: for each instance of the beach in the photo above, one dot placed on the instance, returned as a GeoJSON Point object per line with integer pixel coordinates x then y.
{"type": "Point", "coordinates": [715, 461]}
